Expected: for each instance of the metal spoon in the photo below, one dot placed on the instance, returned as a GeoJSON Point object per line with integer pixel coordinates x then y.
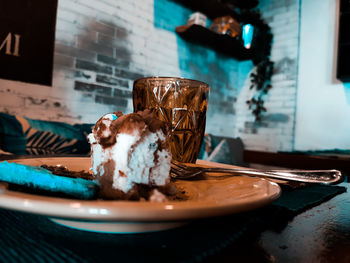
{"type": "Point", "coordinates": [185, 171]}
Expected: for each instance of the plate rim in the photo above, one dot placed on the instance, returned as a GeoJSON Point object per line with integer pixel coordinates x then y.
{"type": "Point", "coordinates": [95, 210]}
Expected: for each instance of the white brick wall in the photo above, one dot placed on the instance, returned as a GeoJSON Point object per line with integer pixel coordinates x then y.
{"type": "Point", "coordinates": [277, 130]}
{"type": "Point", "coordinates": [117, 40]}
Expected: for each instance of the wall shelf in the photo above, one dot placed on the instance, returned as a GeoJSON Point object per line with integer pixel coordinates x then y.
{"type": "Point", "coordinates": [221, 43]}
{"type": "Point", "coordinates": [216, 8]}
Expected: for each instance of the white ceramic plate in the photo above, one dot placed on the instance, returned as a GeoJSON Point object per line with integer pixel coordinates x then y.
{"type": "Point", "coordinates": [207, 198]}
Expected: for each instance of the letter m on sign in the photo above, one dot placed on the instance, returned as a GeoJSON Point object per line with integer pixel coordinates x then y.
{"type": "Point", "coordinates": [7, 44]}
{"type": "Point", "coordinates": [27, 37]}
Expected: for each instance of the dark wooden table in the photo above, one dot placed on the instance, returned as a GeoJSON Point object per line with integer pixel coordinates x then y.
{"type": "Point", "coordinates": [320, 234]}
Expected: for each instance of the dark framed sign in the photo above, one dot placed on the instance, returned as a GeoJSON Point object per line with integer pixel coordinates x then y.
{"type": "Point", "coordinates": [27, 38]}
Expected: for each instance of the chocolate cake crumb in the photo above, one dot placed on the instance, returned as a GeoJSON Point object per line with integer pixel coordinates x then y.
{"type": "Point", "coordinates": [63, 171]}
{"type": "Point", "coordinates": [142, 192]}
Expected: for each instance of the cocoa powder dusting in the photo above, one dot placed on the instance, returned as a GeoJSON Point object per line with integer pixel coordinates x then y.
{"type": "Point", "coordinates": [127, 124]}
{"type": "Point", "coordinates": [121, 174]}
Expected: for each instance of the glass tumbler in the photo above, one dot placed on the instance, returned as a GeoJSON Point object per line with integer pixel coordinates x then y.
{"type": "Point", "coordinates": [182, 103]}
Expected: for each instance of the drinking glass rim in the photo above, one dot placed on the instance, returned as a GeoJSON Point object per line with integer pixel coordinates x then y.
{"type": "Point", "coordinates": [171, 78]}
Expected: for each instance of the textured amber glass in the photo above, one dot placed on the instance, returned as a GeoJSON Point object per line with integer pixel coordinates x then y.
{"type": "Point", "coordinates": [182, 103]}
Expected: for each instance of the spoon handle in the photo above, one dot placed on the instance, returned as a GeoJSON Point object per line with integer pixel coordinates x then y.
{"type": "Point", "coordinates": [307, 176]}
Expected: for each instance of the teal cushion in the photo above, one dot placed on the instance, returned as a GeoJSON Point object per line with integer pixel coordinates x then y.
{"type": "Point", "coordinates": [20, 135]}
{"type": "Point", "coordinates": [222, 150]}
{"type": "Point", "coordinates": [12, 138]}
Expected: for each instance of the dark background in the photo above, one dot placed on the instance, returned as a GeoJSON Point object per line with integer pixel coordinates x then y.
{"type": "Point", "coordinates": [34, 21]}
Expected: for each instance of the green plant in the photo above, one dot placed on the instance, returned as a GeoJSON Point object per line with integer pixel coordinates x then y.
{"type": "Point", "coordinates": [261, 78]}
{"type": "Point", "coordinates": [261, 81]}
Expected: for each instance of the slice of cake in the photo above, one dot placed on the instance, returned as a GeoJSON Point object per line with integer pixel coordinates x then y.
{"type": "Point", "coordinates": [130, 155]}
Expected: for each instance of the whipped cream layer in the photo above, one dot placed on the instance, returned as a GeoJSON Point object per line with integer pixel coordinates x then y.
{"type": "Point", "coordinates": [129, 149]}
